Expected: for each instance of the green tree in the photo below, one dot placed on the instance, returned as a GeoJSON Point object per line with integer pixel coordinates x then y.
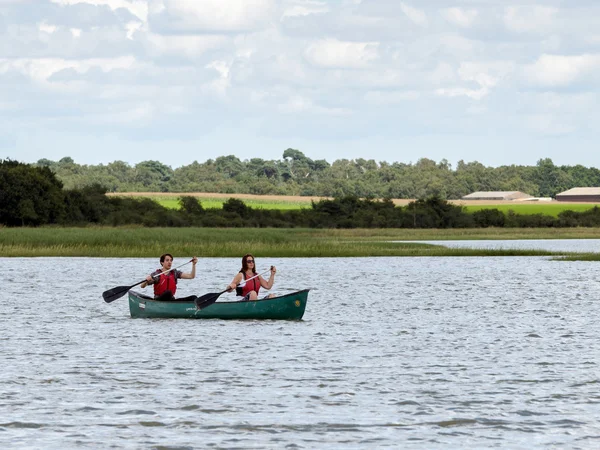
{"type": "Point", "coordinates": [29, 195]}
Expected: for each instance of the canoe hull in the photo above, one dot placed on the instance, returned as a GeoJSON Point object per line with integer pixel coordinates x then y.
{"type": "Point", "coordinates": [286, 307]}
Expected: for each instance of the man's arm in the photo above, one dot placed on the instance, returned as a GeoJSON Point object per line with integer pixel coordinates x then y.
{"type": "Point", "coordinates": [148, 282]}
{"type": "Point", "coordinates": [192, 274]}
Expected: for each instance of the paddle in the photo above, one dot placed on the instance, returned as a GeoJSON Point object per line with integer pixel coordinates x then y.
{"type": "Point", "coordinates": [117, 292]}
{"type": "Point", "coordinates": [209, 299]}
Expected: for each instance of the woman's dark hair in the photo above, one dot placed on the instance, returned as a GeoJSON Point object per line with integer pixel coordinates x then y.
{"type": "Point", "coordinates": [245, 264]}
{"type": "Point", "coordinates": [162, 257]}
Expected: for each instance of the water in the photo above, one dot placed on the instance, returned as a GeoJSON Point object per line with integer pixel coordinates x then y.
{"type": "Point", "coordinates": [423, 353]}
{"type": "Point", "coordinates": [555, 245]}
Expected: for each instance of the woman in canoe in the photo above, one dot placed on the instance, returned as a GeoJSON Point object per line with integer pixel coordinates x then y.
{"type": "Point", "coordinates": [249, 291]}
{"type": "Point", "coordinates": [165, 279]}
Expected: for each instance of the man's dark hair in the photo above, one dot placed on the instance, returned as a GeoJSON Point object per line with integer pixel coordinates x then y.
{"type": "Point", "coordinates": [162, 257]}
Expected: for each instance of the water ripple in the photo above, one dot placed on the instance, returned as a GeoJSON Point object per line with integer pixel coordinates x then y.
{"type": "Point", "coordinates": [392, 352]}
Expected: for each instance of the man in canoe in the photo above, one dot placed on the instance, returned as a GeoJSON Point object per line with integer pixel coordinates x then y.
{"type": "Point", "coordinates": [165, 279]}
{"type": "Point", "coordinates": [249, 290]}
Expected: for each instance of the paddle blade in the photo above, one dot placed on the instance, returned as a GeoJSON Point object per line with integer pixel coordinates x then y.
{"type": "Point", "coordinates": [207, 300]}
{"type": "Point", "coordinates": [112, 294]}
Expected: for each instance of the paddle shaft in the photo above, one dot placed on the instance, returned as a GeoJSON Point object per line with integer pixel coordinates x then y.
{"type": "Point", "coordinates": [252, 278]}
{"type": "Point", "coordinates": [209, 299]}
{"type": "Point", "coordinates": [167, 271]}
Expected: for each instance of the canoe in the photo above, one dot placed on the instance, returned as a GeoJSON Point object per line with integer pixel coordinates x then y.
{"type": "Point", "coordinates": [286, 307]}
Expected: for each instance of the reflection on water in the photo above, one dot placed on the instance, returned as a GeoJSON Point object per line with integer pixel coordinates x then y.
{"type": "Point", "coordinates": [392, 353]}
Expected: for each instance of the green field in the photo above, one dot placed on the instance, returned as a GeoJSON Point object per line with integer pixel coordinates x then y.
{"type": "Point", "coordinates": [217, 202]}
{"type": "Point", "coordinates": [264, 242]}
{"type": "Point", "coordinates": [549, 209]}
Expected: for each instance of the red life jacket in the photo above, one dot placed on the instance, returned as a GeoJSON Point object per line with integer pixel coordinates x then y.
{"type": "Point", "coordinates": [166, 282]}
{"type": "Point", "coordinates": [252, 285]}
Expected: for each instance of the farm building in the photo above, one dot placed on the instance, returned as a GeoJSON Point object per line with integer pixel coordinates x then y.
{"type": "Point", "coordinates": [580, 194]}
{"type": "Point", "coordinates": [497, 195]}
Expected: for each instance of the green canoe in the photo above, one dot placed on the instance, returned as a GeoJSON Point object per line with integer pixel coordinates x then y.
{"type": "Point", "coordinates": [286, 307]}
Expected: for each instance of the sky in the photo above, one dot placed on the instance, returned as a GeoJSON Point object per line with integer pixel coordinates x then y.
{"type": "Point", "coordinates": [496, 81]}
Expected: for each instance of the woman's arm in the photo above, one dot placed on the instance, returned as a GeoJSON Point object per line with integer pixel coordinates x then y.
{"type": "Point", "coordinates": [236, 280]}
{"type": "Point", "coordinates": [268, 284]}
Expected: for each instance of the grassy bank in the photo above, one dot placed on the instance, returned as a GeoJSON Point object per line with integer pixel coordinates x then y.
{"type": "Point", "coordinates": [210, 242]}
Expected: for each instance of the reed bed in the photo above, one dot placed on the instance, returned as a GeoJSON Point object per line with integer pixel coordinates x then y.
{"type": "Point", "coordinates": [218, 242]}
{"type": "Point", "coordinates": [581, 257]}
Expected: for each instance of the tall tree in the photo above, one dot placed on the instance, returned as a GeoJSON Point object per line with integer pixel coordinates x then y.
{"type": "Point", "coordinates": [29, 195]}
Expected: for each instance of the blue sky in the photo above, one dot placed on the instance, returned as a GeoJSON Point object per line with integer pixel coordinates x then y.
{"type": "Point", "coordinates": [493, 81]}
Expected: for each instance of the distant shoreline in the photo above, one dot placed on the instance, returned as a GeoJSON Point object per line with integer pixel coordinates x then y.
{"type": "Point", "coordinates": [308, 199]}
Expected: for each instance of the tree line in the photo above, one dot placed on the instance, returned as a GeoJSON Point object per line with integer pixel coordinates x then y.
{"type": "Point", "coordinates": [296, 174]}
{"type": "Point", "coordinates": [32, 195]}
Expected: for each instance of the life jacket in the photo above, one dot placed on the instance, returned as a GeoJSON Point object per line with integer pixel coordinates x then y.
{"type": "Point", "coordinates": [252, 285]}
{"type": "Point", "coordinates": [166, 282]}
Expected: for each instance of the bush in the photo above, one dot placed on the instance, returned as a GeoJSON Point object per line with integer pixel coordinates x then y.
{"type": "Point", "coordinates": [485, 218]}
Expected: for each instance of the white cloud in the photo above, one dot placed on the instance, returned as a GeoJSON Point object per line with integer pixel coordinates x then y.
{"type": "Point", "coordinates": [334, 54]}
{"type": "Point", "coordinates": [189, 46]}
{"type": "Point", "coordinates": [353, 64]}
{"type": "Point", "coordinates": [44, 27]}
{"type": "Point", "coordinates": [458, 16]}
{"type": "Point", "coordinates": [223, 82]}
{"type": "Point", "coordinates": [212, 15]}
{"type": "Point", "coordinates": [561, 70]}
{"type": "Point", "coordinates": [459, 45]}
{"type": "Point", "coordinates": [475, 94]}
{"type": "Point", "coordinates": [391, 97]}
{"type": "Point", "coordinates": [299, 104]}
{"type": "Point", "coordinates": [40, 69]}
{"type": "Point", "coordinates": [522, 19]}
{"type": "Point", "coordinates": [486, 75]}
{"type": "Point", "coordinates": [417, 16]}
{"type": "Point", "coordinates": [138, 8]}
{"type": "Point", "coordinates": [305, 8]}
{"type": "Point", "coordinates": [132, 27]}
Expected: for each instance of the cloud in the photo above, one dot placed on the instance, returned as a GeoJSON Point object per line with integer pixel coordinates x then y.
{"type": "Point", "coordinates": [524, 19]}
{"type": "Point", "coordinates": [153, 69]}
{"type": "Point", "coordinates": [458, 16]}
{"type": "Point", "coordinates": [305, 8]}
{"type": "Point", "coordinates": [487, 75]}
{"type": "Point", "coordinates": [139, 8]}
{"type": "Point", "coordinates": [190, 47]}
{"type": "Point", "coordinates": [391, 97]}
{"type": "Point", "coordinates": [210, 16]}
{"type": "Point", "coordinates": [299, 104]}
{"type": "Point", "coordinates": [331, 53]}
{"type": "Point", "coordinates": [417, 16]}
{"type": "Point", "coordinates": [562, 70]}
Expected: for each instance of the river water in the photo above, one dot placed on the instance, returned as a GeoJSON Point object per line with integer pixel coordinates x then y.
{"type": "Point", "coordinates": [553, 245]}
{"type": "Point", "coordinates": [423, 353]}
